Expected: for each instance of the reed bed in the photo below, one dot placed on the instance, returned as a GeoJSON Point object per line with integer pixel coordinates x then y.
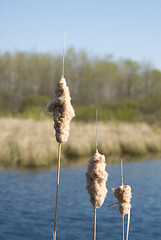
{"type": "Point", "coordinates": [31, 143]}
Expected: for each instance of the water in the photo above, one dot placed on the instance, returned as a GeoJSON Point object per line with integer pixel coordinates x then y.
{"type": "Point", "coordinates": [27, 201]}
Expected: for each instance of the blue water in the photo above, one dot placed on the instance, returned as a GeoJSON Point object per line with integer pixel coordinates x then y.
{"type": "Point", "coordinates": [27, 201]}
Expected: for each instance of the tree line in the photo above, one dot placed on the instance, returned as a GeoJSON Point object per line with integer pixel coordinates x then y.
{"type": "Point", "coordinates": [92, 80]}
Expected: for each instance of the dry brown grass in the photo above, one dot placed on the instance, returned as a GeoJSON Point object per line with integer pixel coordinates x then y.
{"type": "Point", "coordinates": [32, 143]}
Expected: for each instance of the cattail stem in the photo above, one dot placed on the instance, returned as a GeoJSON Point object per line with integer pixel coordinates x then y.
{"type": "Point", "coordinates": [123, 214]}
{"type": "Point", "coordinates": [58, 174]}
{"type": "Point", "coordinates": [94, 224]}
{"type": "Point", "coordinates": [123, 227]}
{"type": "Point", "coordinates": [96, 129]}
{"type": "Point", "coordinates": [113, 204]}
{"type": "Point", "coordinates": [121, 174]}
{"type": "Point", "coordinates": [123, 195]}
{"type": "Point", "coordinates": [128, 225]}
{"type": "Point", "coordinates": [63, 54]}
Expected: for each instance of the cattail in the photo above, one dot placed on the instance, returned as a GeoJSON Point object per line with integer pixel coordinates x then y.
{"type": "Point", "coordinates": [96, 178]}
{"type": "Point", "coordinates": [63, 113]}
{"type": "Point", "coordinates": [123, 195]}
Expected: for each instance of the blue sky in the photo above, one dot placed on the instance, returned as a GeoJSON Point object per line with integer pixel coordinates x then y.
{"type": "Point", "coordinates": [124, 28]}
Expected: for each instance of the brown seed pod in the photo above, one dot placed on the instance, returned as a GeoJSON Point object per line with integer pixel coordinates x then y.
{"type": "Point", "coordinates": [96, 178]}
{"type": "Point", "coordinates": [62, 111]}
{"type": "Point", "coordinates": [123, 195]}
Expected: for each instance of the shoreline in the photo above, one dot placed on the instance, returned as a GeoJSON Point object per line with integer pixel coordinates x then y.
{"type": "Point", "coordinates": [79, 164]}
{"type": "Point", "coordinates": [31, 143]}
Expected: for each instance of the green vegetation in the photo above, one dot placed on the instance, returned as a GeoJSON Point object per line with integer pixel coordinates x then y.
{"type": "Point", "coordinates": [122, 90]}
{"type": "Point", "coordinates": [142, 109]}
{"type": "Point", "coordinates": [127, 95]}
{"type": "Point", "coordinates": [147, 109]}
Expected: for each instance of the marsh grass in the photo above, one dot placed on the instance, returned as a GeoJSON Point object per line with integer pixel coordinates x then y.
{"type": "Point", "coordinates": [31, 143]}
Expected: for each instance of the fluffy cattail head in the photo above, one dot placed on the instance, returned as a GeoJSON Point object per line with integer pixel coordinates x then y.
{"type": "Point", "coordinates": [123, 195]}
{"type": "Point", "coordinates": [96, 177]}
{"type": "Point", "coordinates": [62, 111]}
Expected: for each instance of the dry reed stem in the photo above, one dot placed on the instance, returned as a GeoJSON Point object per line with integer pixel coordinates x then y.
{"type": "Point", "coordinates": [128, 226]}
{"type": "Point", "coordinates": [123, 227]}
{"type": "Point", "coordinates": [58, 174]}
{"type": "Point", "coordinates": [94, 224]}
{"type": "Point", "coordinates": [122, 183]}
{"type": "Point", "coordinates": [113, 204]}
{"type": "Point", "coordinates": [122, 180]}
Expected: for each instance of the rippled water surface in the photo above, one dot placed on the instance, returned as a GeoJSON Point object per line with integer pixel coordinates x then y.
{"type": "Point", "coordinates": [27, 201]}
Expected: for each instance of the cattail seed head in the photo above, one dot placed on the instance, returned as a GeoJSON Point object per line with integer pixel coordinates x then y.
{"type": "Point", "coordinates": [96, 178]}
{"type": "Point", "coordinates": [62, 111]}
{"type": "Point", "coordinates": [123, 195]}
